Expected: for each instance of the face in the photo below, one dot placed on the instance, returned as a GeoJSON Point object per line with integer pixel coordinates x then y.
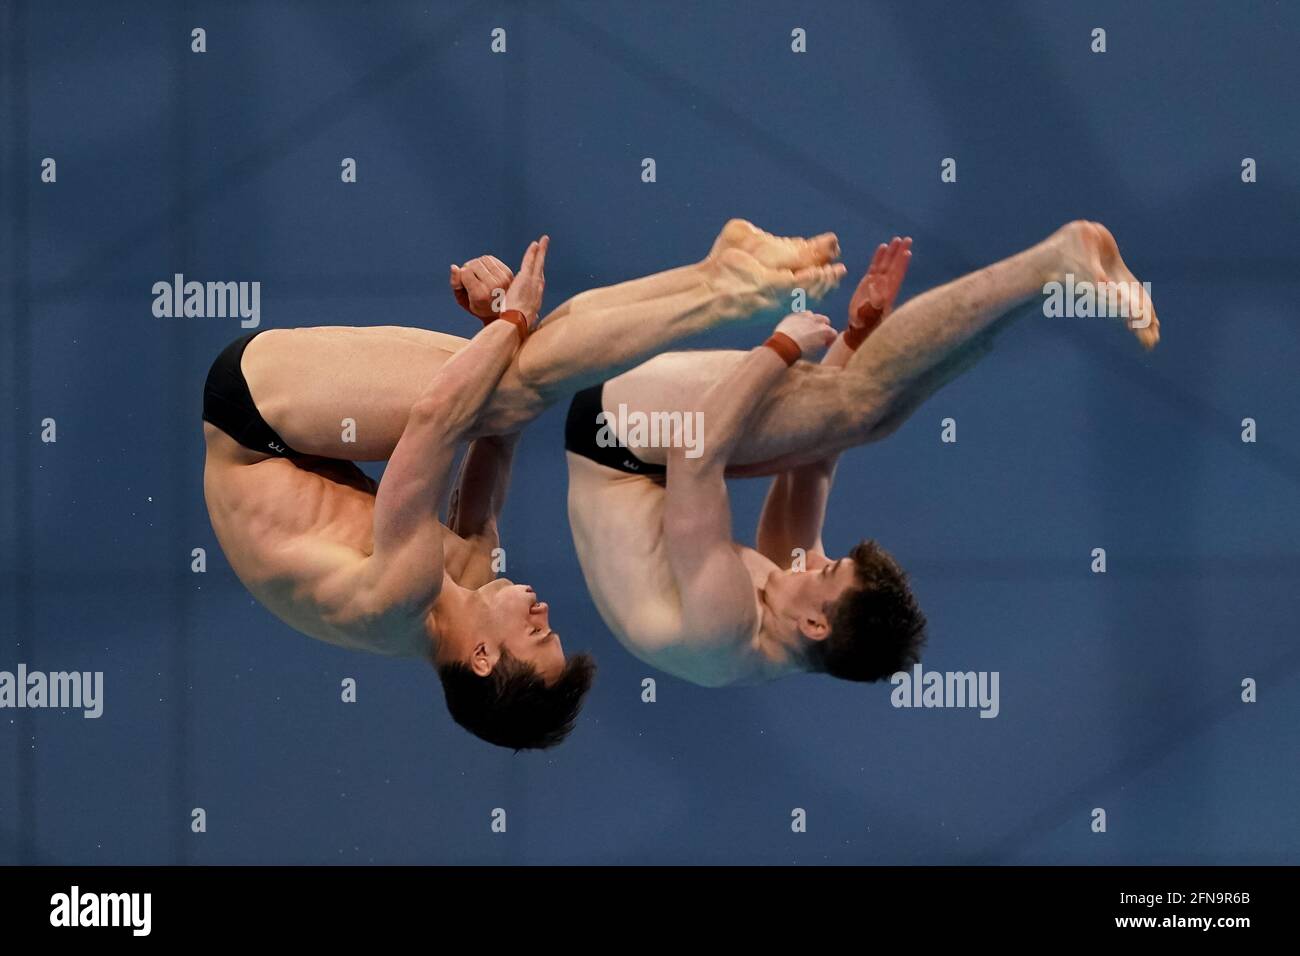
{"type": "Point", "coordinates": [806, 594]}
{"type": "Point", "coordinates": [520, 624]}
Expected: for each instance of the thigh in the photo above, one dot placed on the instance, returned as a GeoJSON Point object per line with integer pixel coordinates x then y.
{"type": "Point", "coordinates": [813, 412]}
{"type": "Point", "coordinates": [343, 392]}
{"type": "Point", "coordinates": [810, 413]}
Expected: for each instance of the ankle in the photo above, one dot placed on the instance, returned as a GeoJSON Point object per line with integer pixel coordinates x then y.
{"type": "Point", "coordinates": [1051, 259]}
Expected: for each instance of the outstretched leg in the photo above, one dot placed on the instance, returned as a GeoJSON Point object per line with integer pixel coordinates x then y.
{"type": "Point", "coordinates": [816, 411]}
{"type": "Point", "coordinates": [347, 392]}
{"type": "Point", "coordinates": [598, 334]}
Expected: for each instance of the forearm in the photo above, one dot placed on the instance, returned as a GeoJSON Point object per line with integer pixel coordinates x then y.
{"type": "Point", "coordinates": [795, 508]}
{"type": "Point", "coordinates": [730, 403]}
{"type": "Point", "coordinates": [481, 488]}
{"type": "Point", "coordinates": [407, 536]}
{"type": "Point", "coordinates": [795, 511]}
{"type": "Point", "coordinates": [696, 507]}
{"type": "Point", "coordinates": [815, 477]}
{"type": "Point", "coordinates": [458, 391]}
{"type": "Point", "coordinates": [838, 355]}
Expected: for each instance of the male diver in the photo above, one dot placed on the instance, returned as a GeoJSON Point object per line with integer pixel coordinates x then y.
{"type": "Point", "coordinates": [652, 524]}
{"type": "Point", "coordinates": [287, 411]}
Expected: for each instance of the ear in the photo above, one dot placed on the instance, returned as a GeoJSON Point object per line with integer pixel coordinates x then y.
{"type": "Point", "coordinates": [815, 628]}
{"type": "Point", "coordinates": [482, 661]}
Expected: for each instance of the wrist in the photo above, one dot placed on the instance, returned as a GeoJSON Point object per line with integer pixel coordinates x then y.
{"type": "Point", "coordinates": [786, 348]}
{"type": "Point", "coordinates": [517, 319]}
{"type": "Point", "coordinates": [856, 334]}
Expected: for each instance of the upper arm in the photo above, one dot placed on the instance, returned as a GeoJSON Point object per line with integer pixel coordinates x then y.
{"type": "Point", "coordinates": [320, 586]}
{"type": "Point", "coordinates": [326, 576]}
{"type": "Point", "coordinates": [288, 535]}
{"type": "Point", "coordinates": [405, 568]}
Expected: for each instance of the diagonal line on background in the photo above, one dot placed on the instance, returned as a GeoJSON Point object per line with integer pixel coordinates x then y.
{"type": "Point", "coordinates": [323, 115]}
{"type": "Point", "coordinates": [820, 177]}
{"type": "Point", "coordinates": [807, 168]}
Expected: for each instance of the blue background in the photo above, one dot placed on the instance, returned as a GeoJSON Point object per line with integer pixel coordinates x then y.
{"type": "Point", "coordinates": [1119, 691]}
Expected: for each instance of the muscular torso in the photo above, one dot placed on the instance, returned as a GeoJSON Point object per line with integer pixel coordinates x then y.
{"type": "Point", "coordinates": [290, 532]}
{"type": "Point", "coordinates": [617, 524]}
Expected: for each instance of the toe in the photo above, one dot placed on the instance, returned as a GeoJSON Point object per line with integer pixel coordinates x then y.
{"type": "Point", "coordinates": [827, 246]}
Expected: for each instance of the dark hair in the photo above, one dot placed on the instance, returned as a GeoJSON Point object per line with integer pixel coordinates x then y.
{"type": "Point", "coordinates": [512, 706]}
{"type": "Point", "coordinates": [876, 627]}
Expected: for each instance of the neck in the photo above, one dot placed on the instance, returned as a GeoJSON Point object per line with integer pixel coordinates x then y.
{"type": "Point", "coordinates": [780, 641]}
{"type": "Point", "coordinates": [440, 623]}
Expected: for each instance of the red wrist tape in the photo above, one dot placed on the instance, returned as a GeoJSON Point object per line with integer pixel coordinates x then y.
{"type": "Point", "coordinates": [784, 346]}
{"type": "Point", "coordinates": [519, 319]}
{"type": "Point", "coordinates": [856, 334]}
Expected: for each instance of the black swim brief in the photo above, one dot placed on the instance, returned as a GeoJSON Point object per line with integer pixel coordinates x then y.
{"type": "Point", "coordinates": [228, 404]}
{"type": "Point", "coordinates": [581, 429]}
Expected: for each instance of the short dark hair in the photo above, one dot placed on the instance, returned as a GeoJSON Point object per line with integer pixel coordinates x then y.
{"type": "Point", "coordinates": [876, 627]}
{"type": "Point", "coordinates": [513, 706]}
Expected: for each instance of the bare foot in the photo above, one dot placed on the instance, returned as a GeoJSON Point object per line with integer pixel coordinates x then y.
{"type": "Point", "coordinates": [751, 287]}
{"type": "Point", "coordinates": [1091, 254]}
{"type": "Point", "coordinates": [776, 252]}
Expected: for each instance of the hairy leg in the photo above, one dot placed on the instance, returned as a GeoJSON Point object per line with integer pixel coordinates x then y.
{"type": "Point", "coordinates": [926, 342]}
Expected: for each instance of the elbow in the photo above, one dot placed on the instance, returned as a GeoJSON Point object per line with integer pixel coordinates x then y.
{"type": "Point", "coordinates": [428, 410]}
{"type": "Point", "coordinates": [679, 524]}
{"type": "Point", "coordinates": [373, 608]}
{"type": "Point", "coordinates": [686, 526]}
{"type": "Point", "coordinates": [441, 412]}
{"type": "Point", "coordinates": [357, 611]}
{"type": "Point", "coordinates": [701, 462]}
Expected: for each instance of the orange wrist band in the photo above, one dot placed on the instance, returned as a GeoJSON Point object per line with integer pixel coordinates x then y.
{"type": "Point", "coordinates": [784, 346]}
{"type": "Point", "coordinates": [519, 319]}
